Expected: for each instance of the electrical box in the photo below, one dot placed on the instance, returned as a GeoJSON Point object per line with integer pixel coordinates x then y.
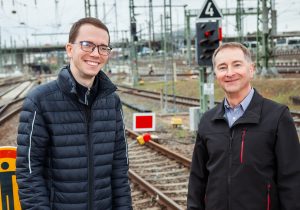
{"type": "Point", "coordinates": [195, 115]}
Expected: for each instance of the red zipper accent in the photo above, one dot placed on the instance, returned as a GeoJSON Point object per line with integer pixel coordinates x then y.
{"type": "Point", "coordinates": [269, 197]}
{"type": "Point", "coordinates": [242, 145]}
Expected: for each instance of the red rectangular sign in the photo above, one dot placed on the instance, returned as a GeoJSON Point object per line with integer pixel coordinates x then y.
{"type": "Point", "coordinates": [143, 121]}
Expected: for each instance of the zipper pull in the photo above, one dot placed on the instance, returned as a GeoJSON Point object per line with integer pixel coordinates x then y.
{"type": "Point", "coordinates": [269, 197]}
{"type": "Point", "coordinates": [87, 93]}
{"type": "Point", "coordinates": [242, 145]}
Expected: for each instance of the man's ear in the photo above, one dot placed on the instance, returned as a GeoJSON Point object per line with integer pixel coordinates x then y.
{"type": "Point", "coordinates": [252, 70]}
{"type": "Point", "coordinates": [69, 49]}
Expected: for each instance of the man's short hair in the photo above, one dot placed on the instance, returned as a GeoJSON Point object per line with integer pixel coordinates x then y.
{"type": "Point", "coordinates": [245, 50]}
{"type": "Point", "coordinates": [88, 20]}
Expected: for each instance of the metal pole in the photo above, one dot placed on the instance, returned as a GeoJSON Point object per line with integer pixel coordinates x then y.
{"type": "Point", "coordinates": [258, 45]}
{"type": "Point", "coordinates": [150, 25]}
{"type": "Point", "coordinates": [239, 20]}
{"type": "Point", "coordinates": [265, 34]}
{"type": "Point", "coordinates": [188, 39]}
{"type": "Point", "coordinates": [116, 18]}
{"type": "Point", "coordinates": [104, 13]}
{"type": "Point", "coordinates": [87, 8]}
{"type": "Point", "coordinates": [96, 9]}
{"type": "Point", "coordinates": [133, 54]}
{"type": "Point", "coordinates": [165, 60]}
{"type": "Point", "coordinates": [203, 98]}
{"type": "Point", "coordinates": [173, 70]}
{"type": "Point", "coordinates": [56, 14]}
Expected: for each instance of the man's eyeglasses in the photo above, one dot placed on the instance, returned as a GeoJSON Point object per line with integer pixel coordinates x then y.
{"type": "Point", "coordinates": [90, 47]}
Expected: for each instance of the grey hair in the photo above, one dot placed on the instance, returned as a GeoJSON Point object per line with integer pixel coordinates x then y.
{"type": "Point", "coordinates": [245, 50]}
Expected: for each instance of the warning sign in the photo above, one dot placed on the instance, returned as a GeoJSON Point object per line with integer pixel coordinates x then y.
{"type": "Point", "coordinates": [210, 11]}
{"type": "Point", "coordinates": [144, 121]}
{"type": "Point", "coordinates": [8, 183]}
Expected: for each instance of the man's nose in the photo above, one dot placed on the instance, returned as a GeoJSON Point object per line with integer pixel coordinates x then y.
{"type": "Point", "coordinates": [230, 71]}
{"type": "Point", "coordinates": [95, 52]}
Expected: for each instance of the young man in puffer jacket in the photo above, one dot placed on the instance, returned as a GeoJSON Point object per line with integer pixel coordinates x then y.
{"type": "Point", "coordinates": [72, 150]}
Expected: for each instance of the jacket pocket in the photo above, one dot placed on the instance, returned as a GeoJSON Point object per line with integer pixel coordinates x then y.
{"type": "Point", "coordinates": [242, 145]}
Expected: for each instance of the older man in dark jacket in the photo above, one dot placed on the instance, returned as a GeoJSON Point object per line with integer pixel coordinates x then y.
{"type": "Point", "coordinates": [72, 150]}
{"type": "Point", "coordinates": [247, 152]}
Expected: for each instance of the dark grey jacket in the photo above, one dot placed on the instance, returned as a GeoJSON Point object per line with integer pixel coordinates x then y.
{"type": "Point", "coordinates": [255, 165]}
{"type": "Point", "coordinates": [70, 156]}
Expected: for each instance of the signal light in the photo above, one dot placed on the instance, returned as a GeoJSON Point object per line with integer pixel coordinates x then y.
{"type": "Point", "coordinates": [133, 31]}
{"type": "Point", "coordinates": [207, 35]}
{"type": "Point", "coordinates": [220, 34]}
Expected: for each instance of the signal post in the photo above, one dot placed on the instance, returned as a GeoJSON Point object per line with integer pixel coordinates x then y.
{"type": "Point", "coordinates": [208, 37]}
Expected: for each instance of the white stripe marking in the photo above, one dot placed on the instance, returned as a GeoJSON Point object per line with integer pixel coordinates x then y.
{"type": "Point", "coordinates": [30, 139]}
{"type": "Point", "coordinates": [124, 136]}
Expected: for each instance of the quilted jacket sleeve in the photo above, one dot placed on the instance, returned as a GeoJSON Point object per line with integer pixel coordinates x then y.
{"type": "Point", "coordinates": [120, 182]}
{"type": "Point", "coordinates": [198, 174]}
{"type": "Point", "coordinates": [32, 148]}
{"type": "Point", "coordinates": [287, 151]}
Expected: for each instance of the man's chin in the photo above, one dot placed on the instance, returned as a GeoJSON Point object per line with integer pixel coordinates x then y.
{"type": "Point", "coordinates": [93, 71]}
{"type": "Point", "coordinates": [230, 89]}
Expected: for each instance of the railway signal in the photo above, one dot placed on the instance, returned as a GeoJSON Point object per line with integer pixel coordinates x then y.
{"type": "Point", "coordinates": [133, 31]}
{"type": "Point", "coordinates": [208, 38]}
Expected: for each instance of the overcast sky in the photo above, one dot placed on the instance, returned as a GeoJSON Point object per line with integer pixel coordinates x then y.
{"type": "Point", "coordinates": [41, 17]}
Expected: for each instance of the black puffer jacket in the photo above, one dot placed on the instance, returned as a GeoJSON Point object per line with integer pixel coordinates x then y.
{"type": "Point", "coordinates": [70, 156]}
{"type": "Point", "coordinates": [255, 165]}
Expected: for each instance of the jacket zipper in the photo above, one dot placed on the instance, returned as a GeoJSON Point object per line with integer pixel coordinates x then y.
{"type": "Point", "coordinates": [230, 163]}
{"type": "Point", "coordinates": [90, 161]}
{"type": "Point", "coordinates": [242, 145]}
{"type": "Point", "coordinates": [268, 197]}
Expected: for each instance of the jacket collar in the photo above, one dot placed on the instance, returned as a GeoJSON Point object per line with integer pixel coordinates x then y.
{"type": "Point", "coordinates": [67, 83]}
{"type": "Point", "coordinates": [251, 115]}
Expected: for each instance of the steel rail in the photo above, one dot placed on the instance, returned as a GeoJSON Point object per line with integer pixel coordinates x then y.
{"type": "Point", "coordinates": [10, 114]}
{"type": "Point", "coordinates": [160, 197]}
{"type": "Point", "coordinates": [163, 150]}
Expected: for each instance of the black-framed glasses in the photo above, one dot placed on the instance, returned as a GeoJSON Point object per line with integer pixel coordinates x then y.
{"type": "Point", "coordinates": [87, 46]}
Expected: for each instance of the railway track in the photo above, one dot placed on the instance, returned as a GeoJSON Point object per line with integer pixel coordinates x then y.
{"type": "Point", "coordinates": [181, 100]}
{"type": "Point", "coordinates": [10, 109]}
{"type": "Point", "coordinates": [163, 173]}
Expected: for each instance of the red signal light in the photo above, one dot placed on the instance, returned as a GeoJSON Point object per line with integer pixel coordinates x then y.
{"type": "Point", "coordinates": [207, 33]}
{"type": "Point", "coordinates": [220, 34]}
